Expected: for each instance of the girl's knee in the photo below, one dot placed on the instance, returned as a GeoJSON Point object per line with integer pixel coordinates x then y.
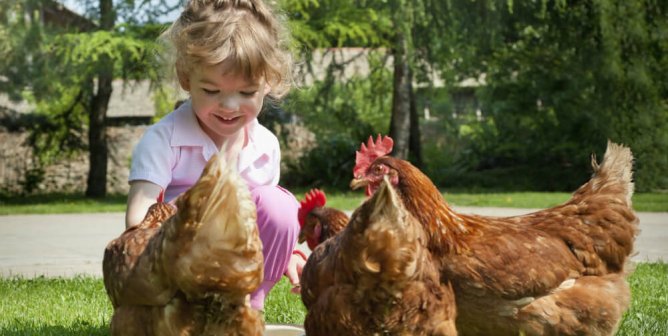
{"type": "Point", "coordinates": [276, 207]}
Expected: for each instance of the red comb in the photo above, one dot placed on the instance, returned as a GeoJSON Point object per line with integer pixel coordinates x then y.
{"type": "Point", "coordinates": [313, 199]}
{"type": "Point", "coordinates": [370, 152]}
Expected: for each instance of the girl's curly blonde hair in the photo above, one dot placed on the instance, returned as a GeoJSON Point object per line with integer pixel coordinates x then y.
{"type": "Point", "coordinates": [246, 34]}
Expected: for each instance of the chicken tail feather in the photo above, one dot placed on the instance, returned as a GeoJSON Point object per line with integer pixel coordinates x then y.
{"type": "Point", "coordinates": [616, 169]}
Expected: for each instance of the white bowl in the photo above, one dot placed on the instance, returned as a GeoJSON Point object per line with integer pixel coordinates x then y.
{"type": "Point", "coordinates": [283, 330]}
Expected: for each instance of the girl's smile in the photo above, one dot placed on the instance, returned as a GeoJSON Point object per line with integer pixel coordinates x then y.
{"type": "Point", "coordinates": [228, 121]}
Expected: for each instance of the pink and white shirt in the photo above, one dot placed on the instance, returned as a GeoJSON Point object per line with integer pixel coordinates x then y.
{"type": "Point", "coordinates": [173, 153]}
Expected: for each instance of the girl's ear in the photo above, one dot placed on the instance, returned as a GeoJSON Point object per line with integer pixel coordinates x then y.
{"type": "Point", "coordinates": [267, 89]}
{"type": "Point", "coordinates": [184, 80]}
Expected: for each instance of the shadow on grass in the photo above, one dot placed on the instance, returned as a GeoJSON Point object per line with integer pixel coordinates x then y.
{"type": "Point", "coordinates": [78, 328]}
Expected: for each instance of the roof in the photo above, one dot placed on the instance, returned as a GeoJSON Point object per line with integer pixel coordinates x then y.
{"type": "Point", "coordinates": [55, 13]}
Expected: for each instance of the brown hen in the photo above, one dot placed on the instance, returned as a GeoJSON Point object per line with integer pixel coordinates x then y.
{"type": "Point", "coordinates": [377, 277]}
{"type": "Point", "coordinates": [189, 271]}
{"type": "Point", "coordinates": [559, 271]}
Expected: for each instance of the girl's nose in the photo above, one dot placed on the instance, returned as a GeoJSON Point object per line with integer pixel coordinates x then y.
{"type": "Point", "coordinates": [229, 103]}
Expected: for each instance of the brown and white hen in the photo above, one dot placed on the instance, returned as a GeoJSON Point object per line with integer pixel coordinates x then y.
{"type": "Point", "coordinates": [189, 271]}
{"type": "Point", "coordinates": [559, 271]}
{"type": "Point", "coordinates": [377, 277]}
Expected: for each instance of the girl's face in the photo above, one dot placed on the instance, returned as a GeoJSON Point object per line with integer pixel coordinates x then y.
{"type": "Point", "coordinates": [223, 102]}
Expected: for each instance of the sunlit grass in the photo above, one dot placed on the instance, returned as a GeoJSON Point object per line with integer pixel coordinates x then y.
{"type": "Point", "coordinates": [648, 314]}
{"type": "Point", "coordinates": [80, 306]}
{"type": "Point", "coordinates": [59, 203]}
{"type": "Point", "coordinates": [348, 200]}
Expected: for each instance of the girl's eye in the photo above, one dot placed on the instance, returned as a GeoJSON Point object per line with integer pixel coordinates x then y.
{"type": "Point", "coordinates": [209, 92]}
{"type": "Point", "coordinates": [248, 93]}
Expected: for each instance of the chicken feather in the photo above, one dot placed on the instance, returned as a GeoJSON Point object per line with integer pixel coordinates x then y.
{"type": "Point", "coordinates": [377, 277]}
{"type": "Point", "coordinates": [557, 271]}
{"type": "Point", "coordinates": [189, 271]}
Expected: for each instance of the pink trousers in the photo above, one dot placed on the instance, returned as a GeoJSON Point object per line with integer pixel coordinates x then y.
{"type": "Point", "coordinates": [278, 227]}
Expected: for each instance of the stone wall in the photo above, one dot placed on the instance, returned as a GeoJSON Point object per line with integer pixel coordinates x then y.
{"type": "Point", "coordinates": [70, 175]}
{"type": "Point", "coordinates": [67, 175]}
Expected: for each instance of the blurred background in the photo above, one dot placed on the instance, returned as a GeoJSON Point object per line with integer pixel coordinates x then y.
{"type": "Point", "coordinates": [481, 95]}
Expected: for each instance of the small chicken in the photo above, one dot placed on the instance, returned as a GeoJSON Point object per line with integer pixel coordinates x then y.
{"type": "Point", "coordinates": [189, 271]}
{"type": "Point", "coordinates": [377, 277]}
{"type": "Point", "coordinates": [318, 223]}
{"type": "Point", "coordinates": [559, 271]}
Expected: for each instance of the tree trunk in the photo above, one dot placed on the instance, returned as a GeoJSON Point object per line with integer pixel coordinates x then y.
{"type": "Point", "coordinates": [415, 144]}
{"type": "Point", "coordinates": [97, 131]}
{"type": "Point", "coordinates": [400, 124]}
{"type": "Point", "coordinates": [97, 137]}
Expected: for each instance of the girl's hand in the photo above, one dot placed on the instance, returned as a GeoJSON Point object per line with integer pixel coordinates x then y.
{"type": "Point", "coordinates": [294, 270]}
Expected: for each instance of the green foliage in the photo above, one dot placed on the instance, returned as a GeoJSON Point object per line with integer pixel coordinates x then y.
{"type": "Point", "coordinates": [335, 23]}
{"type": "Point", "coordinates": [57, 68]}
{"type": "Point", "coordinates": [81, 53]}
{"type": "Point", "coordinates": [64, 91]}
{"type": "Point", "coordinates": [561, 79]}
{"type": "Point", "coordinates": [354, 107]}
{"type": "Point", "coordinates": [163, 101]}
{"type": "Point", "coordinates": [341, 113]}
{"type": "Point", "coordinates": [328, 164]}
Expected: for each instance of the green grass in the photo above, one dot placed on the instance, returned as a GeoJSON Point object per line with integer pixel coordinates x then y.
{"type": "Point", "coordinates": [76, 203]}
{"type": "Point", "coordinates": [59, 203]}
{"type": "Point", "coordinates": [42, 306]}
{"type": "Point", "coordinates": [648, 314]}
{"type": "Point", "coordinates": [79, 306]}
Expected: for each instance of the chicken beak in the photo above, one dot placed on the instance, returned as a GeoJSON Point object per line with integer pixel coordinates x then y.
{"type": "Point", "coordinates": [301, 237]}
{"type": "Point", "coordinates": [357, 183]}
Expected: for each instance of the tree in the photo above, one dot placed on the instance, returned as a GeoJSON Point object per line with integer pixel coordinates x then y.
{"type": "Point", "coordinates": [96, 185]}
{"type": "Point", "coordinates": [68, 72]}
{"type": "Point", "coordinates": [400, 125]}
{"type": "Point", "coordinates": [400, 27]}
{"type": "Point", "coordinates": [562, 78]}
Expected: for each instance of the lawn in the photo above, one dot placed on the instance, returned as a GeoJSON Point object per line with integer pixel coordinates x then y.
{"type": "Point", "coordinates": [77, 203]}
{"type": "Point", "coordinates": [80, 306]}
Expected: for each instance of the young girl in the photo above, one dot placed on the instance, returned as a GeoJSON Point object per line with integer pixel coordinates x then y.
{"type": "Point", "coordinates": [230, 54]}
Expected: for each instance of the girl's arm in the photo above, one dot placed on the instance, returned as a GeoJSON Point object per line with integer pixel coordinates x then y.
{"type": "Point", "coordinates": [142, 195]}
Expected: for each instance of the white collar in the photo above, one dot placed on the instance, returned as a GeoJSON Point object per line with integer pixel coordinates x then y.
{"type": "Point", "coordinates": [188, 132]}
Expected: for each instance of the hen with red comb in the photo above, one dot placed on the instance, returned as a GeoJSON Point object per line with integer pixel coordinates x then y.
{"type": "Point", "coordinates": [317, 222]}
{"type": "Point", "coordinates": [370, 152]}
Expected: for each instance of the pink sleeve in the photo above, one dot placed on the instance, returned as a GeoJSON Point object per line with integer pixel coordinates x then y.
{"type": "Point", "coordinates": [153, 157]}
